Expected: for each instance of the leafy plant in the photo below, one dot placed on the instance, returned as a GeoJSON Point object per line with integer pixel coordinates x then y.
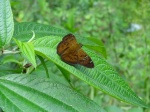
{"type": "Point", "coordinates": [21, 88]}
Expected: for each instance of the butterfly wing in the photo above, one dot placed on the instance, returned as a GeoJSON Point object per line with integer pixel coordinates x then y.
{"type": "Point", "coordinates": [70, 52]}
{"type": "Point", "coordinates": [84, 59]}
{"type": "Point", "coordinates": [66, 43]}
{"type": "Point", "coordinates": [70, 58]}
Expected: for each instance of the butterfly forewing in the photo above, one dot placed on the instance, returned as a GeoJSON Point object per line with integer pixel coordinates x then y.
{"type": "Point", "coordinates": [66, 43]}
{"type": "Point", "coordinates": [71, 52]}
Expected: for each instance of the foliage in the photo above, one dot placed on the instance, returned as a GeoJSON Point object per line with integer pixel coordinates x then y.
{"type": "Point", "coordinates": [48, 85]}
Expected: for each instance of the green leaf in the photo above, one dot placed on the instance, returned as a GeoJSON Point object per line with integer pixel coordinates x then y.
{"type": "Point", "coordinates": [30, 94]}
{"type": "Point", "coordinates": [6, 22]}
{"type": "Point", "coordinates": [23, 31]}
{"type": "Point", "coordinates": [27, 50]}
{"type": "Point", "coordinates": [102, 76]}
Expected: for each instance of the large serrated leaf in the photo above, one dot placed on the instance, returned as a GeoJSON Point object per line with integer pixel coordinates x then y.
{"type": "Point", "coordinates": [24, 93]}
{"type": "Point", "coordinates": [102, 76]}
{"type": "Point", "coordinates": [27, 49]}
{"type": "Point", "coordinates": [6, 23]}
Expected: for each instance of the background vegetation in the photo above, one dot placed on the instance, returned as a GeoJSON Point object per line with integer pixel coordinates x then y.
{"type": "Point", "coordinates": [122, 25]}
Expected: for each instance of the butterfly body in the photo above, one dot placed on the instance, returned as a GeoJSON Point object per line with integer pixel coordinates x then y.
{"type": "Point", "coordinates": [70, 52]}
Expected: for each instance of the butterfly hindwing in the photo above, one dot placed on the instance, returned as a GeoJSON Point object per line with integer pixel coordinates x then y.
{"type": "Point", "coordinates": [84, 59]}
{"type": "Point", "coordinates": [70, 58]}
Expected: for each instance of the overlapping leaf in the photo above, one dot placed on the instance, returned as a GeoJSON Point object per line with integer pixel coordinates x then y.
{"type": "Point", "coordinates": [23, 93]}
{"type": "Point", "coordinates": [27, 49]}
{"type": "Point", "coordinates": [6, 23]}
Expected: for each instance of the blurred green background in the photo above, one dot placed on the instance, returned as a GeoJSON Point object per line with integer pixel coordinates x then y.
{"type": "Point", "coordinates": [122, 25]}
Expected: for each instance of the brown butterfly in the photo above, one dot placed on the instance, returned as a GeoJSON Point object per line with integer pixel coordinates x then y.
{"type": "Point", "coordinates": [70, 52]}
